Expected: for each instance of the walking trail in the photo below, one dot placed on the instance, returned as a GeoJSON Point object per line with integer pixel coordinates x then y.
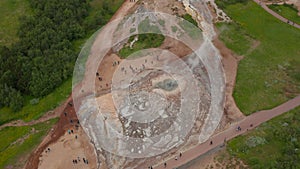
{"type": "Point", "coordinates": [49, 115]}
{"type": "Point", "coordinates": [57, 111]}
{"type": "Point", "coordinates": [265, 7]}
{"type": "Point", "coordinates": [219, 139]}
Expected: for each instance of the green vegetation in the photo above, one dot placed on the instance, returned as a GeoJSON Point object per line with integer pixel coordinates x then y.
{"type": "Point", "coordinates": [146, 26]}
{"type": "Point", "coordinates": [162, 22]}
{"type": "Point", "coordinates": [145, 41]}
{"type": "Point", "coordinates": [18, 141]}
{"type": "Point", "coordinates": [34, 111]}
{"type": "Point", "coordinates": [174, 29]}
{"type": "Point", "coordinates": [287, 11]}
{"type": "Point", "coordinates": [268, 75]}
{"type": "Point", "coordinates": [222, 4]}
{"type": "Point", "coordinates": [100, 13]}
{"type": "Point", "coordinates": [189, 18]}
{"type": "Point", "coordinates": [235, 37]}
{"type": "Point", "coordinates": [11, 10]}
{"type": "Point", "coordinates": [44, 56]}
{"type": "Point", "coordinates": [275, 144]}
{"type": "Point", "coordinates": [190, 27]}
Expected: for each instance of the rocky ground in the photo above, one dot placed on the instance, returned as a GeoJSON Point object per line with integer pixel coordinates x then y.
{"type": "Point", "coordinates": [65, 147]}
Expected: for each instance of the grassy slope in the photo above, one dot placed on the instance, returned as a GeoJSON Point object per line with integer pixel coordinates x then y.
{"type": "Point", "coordinates": [268, 145]}
{"type": "Point", "coordinates": [287, 11]}
{"type": "Point", "coordinates": [10, 153]}
{"type": "Point", "coordinates": [264, 77]}
{"type": "Point", "coordinates": [10, 11]}
{"type": "Point", "coordinates": [30, 112]}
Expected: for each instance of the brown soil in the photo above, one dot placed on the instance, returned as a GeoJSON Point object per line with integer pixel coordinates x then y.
{"type": "Point", "coordinates": [64, 123]}
{"type": "Point", "coordinates": [176, 47]}
{"type": "Point", "coordinates": [106, 71]}
{"type": "Point", "coordinates": [229, 60]}
{"type": "Point", "coordinates": [57, 131]}
{"type": "Point", "coordinates": [69, 147]}
{"type": "Point", "coordinates": [230, 65]}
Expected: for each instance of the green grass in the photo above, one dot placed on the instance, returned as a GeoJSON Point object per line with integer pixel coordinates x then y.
{"type": "Point", "coordinates": [235, 38]}
{"type": "Point", "coordinates": [145, 41]}
{"type": "Point", "coordinates": [193, 31]}
{"type": "Point", "coordinates": [264, 77]}
{"type": "Point", "coordinates": [10, 11]}
{"type": "Point", "coordinates": [174, 29]}
{"type": "Point", "coordinates": [10, 153]}
{"type": "Point", "coordinates": [272, 145]}
{"type": "Point", "coordinates": [16, 154]}
{"type": "Point", "coordinates": [189, 18]}
{"type": "Point", "coordinates": [145, 26]}
{"type": "Point", "coordinates": [287, 11]}
{"type": "Point", "coordinates": [31, 112]}
{"type": "Point", "coordinates": [100, 17]}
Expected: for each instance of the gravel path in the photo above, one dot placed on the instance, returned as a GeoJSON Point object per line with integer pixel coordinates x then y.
{"type": "Point", "coordinates": [255, 119]}
{"type": "Point", "coordinates": [263, 5]}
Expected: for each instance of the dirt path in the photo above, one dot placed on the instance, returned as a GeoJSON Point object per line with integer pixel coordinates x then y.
{"type": "Point", "coordinates": [263, 5]}
{"type": "Point", "coordinates": [255, 119]}
{"type": "Point", "coordinates": [47, 116]}
{"type": "Point", "coordinates": [64, 123]}
{"type": "Point", "coordinates": [57, 131]}
{"type": "Point", "coordinates": [218, 139]}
